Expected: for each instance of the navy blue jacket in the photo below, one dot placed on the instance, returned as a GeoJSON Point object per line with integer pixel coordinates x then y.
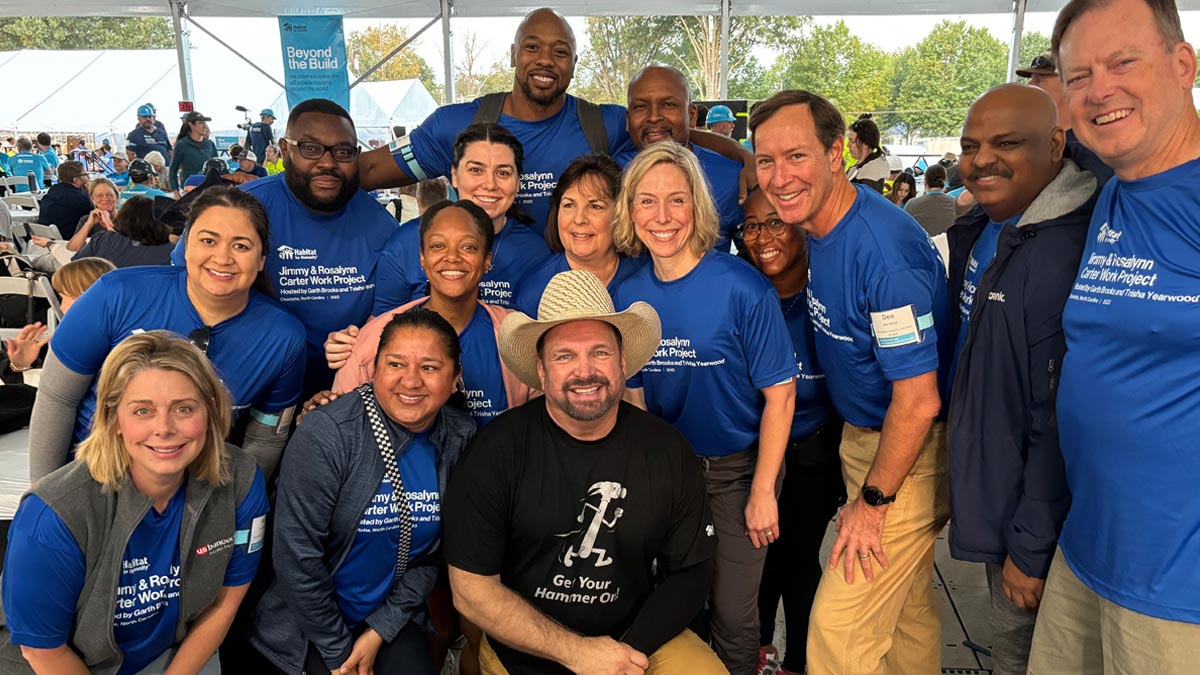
{"type": "Point", "coordinates": [64, 205]}
{"type": "Point", "coordinates": [1008, 486]}
{"type": "Point", "coordinates": [329, 475]}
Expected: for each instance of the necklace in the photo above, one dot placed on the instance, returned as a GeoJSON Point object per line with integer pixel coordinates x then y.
{"type": "Point", "coordinates": [791, 304]}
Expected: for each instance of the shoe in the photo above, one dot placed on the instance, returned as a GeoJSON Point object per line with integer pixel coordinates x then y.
{"type": "Point", "coordinates": [768, 660]}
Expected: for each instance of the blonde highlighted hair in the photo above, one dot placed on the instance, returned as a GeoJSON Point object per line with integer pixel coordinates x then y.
{"type": "Point", "coordinates": [103, 451]}
{"type": "Point", "coordinates": [78, 275]}
{"type": "Point", "coordinates": [706, 224]}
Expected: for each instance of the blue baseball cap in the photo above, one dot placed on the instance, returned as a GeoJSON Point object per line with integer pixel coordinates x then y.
{"type": "Point", "coordinates": [266, 112]}
{"type": "Point", "coordinates": [194, 180]}
{"type": "Point", "coordinates": [719, 113]}
{"type": "Point", "coordinates": [146, 110]}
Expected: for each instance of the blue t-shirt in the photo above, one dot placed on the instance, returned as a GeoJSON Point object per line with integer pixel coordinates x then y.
{"type": "Point", "coordinates": [1129, 398]}
{"type": "Point", "coordinates": [144, 142]}
{"type": "Point", "coordinates": [877, 271]}
{"type": "Point", "coordinates": [723, 180]}
{"type": "Point", "coordinates": [45, 573]}
{"type": "Point", "coordinates": [259, 353]}
{"type": "Point", "coordinates": [723, 340]}
{"type": "Point", "coordinates": [529, 294]}
{"type": "Point", "coordinates": [321, 265]}
{"type": "Point", "coordinates": [119, 179]}
{"type": "Point", "coordinates": [812, 396]}
{"type": "Point", "coordinates": [52, 161]}
{"type": "Point", "coordinates": [516, 251]}
{"type": "Point", "coordinates": [4, 162]}
{"type": "Point", "coordinates": [21, 164]}
{"type": "Point", "coordinates": [363, 581]}
{"type": "Point", "coordinates": [982, 255]}
{"type": "Point", "coordinates": [486, 397]}
{"type": "Point", "coordinates": [141, 190]}
{"type": "Point", "coordinates": [550, 145]}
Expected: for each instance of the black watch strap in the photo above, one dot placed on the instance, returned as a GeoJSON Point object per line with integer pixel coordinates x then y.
{"type": "Point", "coordinates": [875, 497]}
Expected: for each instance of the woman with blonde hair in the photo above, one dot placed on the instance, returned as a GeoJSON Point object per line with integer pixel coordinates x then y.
{"type": "Point", "coordinates": [723, 374]}
{"type": "Point", "coordinates": [155, 473]}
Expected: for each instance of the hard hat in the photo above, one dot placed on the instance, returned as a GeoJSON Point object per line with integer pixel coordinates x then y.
{"type": "Point", "coordinates": [266, 112]}
{"type": "Point", "coordinates": [719, 113]}
{"type": "Point", "coordinates": [146, 110]}
{"type": "Point", "coordinates": [140, 171]}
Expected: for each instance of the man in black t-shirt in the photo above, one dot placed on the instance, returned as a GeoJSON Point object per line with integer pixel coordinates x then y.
{"type": "Point", "coordinates": [577, 527]}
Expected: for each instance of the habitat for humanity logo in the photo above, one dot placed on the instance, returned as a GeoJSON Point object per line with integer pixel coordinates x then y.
{"type": "Point", "coordinates": [295, 28]}
{"type": "Point", "coordinates": [288, 253]}
{"type": "Point", "coordinates": [1107, 235]}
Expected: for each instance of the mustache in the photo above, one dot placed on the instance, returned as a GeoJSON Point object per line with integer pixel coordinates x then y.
{"type": "Point", "coordinates": [594, 380]}
{"type": "Point", "coordinates": [989, 171]}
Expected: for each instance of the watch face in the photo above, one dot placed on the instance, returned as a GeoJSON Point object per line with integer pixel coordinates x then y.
{"type": "Point", "coordinates": [873, 495]}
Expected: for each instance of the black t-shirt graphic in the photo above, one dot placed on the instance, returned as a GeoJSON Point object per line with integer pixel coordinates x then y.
{"type": "Point", "coordinates": [576, 527]}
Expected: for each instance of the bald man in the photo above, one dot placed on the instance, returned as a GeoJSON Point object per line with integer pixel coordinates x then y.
{"type": "Point", "coordinates": [538, 111]}
{"type": "Point", "coordinates": [1013, 261]}
{"type": "Point", "coordinates": [659, 107]}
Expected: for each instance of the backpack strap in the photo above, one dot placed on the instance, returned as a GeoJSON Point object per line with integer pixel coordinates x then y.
{"type": "Point", "coordinates": [490, 106]}
{"type": "Point", "coordinates": [591, 120]}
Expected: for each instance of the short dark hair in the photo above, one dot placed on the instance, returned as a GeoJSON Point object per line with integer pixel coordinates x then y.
{"type": "Point", "coordinates": [829, 121]}
{"type": "Point", "coordinates": [430, 191]}
{"type": "Point", "coordinates": [478, 216]}
{"type": "Point", "coordinates": [70, 170]}
{"type": "Point", "coordinates": [319, 105]}
{"type": "Point", "coordinates": [487, 132]}
{"type": "Point", "coordinates": [1166, 17]}
{"type": "Point", "coordinates": [233, 197]}
{"type": "Point", "coordinates": [935, 176]}
{"type": "Point", "coordinates": [135, 220]}
{"type": "Point", "coordinates": [600, 168]}
{"type": "Point", "coordinates": [420, 317]}
{"type": "Point", "coordinates": [43, 138]}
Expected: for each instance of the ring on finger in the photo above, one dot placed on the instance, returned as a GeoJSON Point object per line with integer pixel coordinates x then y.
{"type": "Point", "coordinates": [865, 556]}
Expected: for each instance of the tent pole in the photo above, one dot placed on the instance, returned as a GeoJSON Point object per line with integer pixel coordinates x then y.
{"type": "Point", "coordinates": [1014, 49]}
{"type": "Point", "coordinates": [394, 52]}
{"type": "Point", "coordinates": [236, 53]}
{"type": "Point", "coordinates": [447, 8]}
{"type": "Point", "coordinates": [725, 19]}
{"type": "Point", "coordinates": [183, 52]}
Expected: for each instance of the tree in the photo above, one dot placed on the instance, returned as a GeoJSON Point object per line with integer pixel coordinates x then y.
{"type": "Point", "coordinates": [700, 55]}
{"type": "Point", "coordinates": [617, 48]}
{"type": "Point", "coordinates": [1032, 44]}
{"type": "Point", "coordinates": [85, 32]}
{"type": "Point", "coordinates": [829, 60]}
{"type": "Point", "coordinates": [935, 82]}
{"type": "Point", "coordinates": [365, 48]}
{"type": "Point", "coordinates": [471, 78]}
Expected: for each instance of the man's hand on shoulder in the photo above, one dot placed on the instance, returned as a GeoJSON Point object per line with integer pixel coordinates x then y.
{"type": "Point", "coordinates": [606, 656]}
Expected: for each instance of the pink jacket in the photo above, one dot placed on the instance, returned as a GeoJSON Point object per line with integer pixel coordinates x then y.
{"type": "Point", "coordinates": [360, 369]}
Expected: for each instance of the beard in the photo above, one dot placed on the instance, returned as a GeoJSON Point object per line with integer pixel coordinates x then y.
{"type": "Point", "coordinates": [539, 98]}
{"type": "Point", "coordinates": [591, 411]}
{"type": "Point", "coordinates": [297, 182]}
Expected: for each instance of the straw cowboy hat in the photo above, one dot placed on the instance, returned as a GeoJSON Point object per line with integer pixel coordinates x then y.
{"type": "Point", "coordinates": [576, 295]}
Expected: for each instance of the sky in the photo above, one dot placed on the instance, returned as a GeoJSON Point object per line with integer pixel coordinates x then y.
{"type": "Point", "coordinates": [891, 33]}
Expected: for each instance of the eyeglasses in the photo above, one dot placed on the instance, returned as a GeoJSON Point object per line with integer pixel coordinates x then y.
{"type": "Point", "coordinates": [752, 231]}
{"type": "Point", "coordinates": [1042, 61]}
{"type": "Point", "coordinates": [200, 338]}
{"type": "Point", "coordinates": [343, 153]}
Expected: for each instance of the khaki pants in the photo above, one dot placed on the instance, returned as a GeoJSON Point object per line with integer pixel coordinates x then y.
{"type": "Point", "coordinates": [1080, 633]}
{"type": "Point", "coordinates": [893, 624]}
{"type": "Point", "coordinates": [686, 654]}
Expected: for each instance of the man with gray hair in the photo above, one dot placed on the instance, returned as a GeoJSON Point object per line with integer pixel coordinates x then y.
{"type": "Point", "coordinates": [1121, 595]}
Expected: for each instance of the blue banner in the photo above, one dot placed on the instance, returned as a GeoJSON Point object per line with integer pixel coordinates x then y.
{"type": "Point", "coordinates": [314, 59]}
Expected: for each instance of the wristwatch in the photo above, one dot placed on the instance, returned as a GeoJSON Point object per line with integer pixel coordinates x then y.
{"type": "Point", "coordinates": [874, 496]}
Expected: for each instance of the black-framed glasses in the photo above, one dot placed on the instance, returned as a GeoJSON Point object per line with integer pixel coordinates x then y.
{"type": "Point", "coordinates": [343, 152]}
{"type": "Point", "coordinates": [200, 338]}
{"type": "Point", "coordinates": [752, 231]}
{"type": "Point", "coordinates": [1042, 61]}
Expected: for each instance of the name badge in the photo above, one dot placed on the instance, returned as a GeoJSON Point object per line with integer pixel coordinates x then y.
{"type": "Point", "coordinates": [899, 327]}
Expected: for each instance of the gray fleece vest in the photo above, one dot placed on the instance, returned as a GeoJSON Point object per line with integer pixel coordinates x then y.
{"type": "Point", "coordinates": [102, 523]}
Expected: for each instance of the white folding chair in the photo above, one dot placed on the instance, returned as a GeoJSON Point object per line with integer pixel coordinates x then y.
{"type": "Point", "coordinates": [13, 181]}
{"type": "Point", "coordinates": [47, 231]}
{"type": "Point", "coordinates": [22, 286]}
{"type": "Point", "coordinates": [21, 201]}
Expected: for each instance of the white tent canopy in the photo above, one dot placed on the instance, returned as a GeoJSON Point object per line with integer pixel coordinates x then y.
{"type": "Point", "coordinates": [99, 92]}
